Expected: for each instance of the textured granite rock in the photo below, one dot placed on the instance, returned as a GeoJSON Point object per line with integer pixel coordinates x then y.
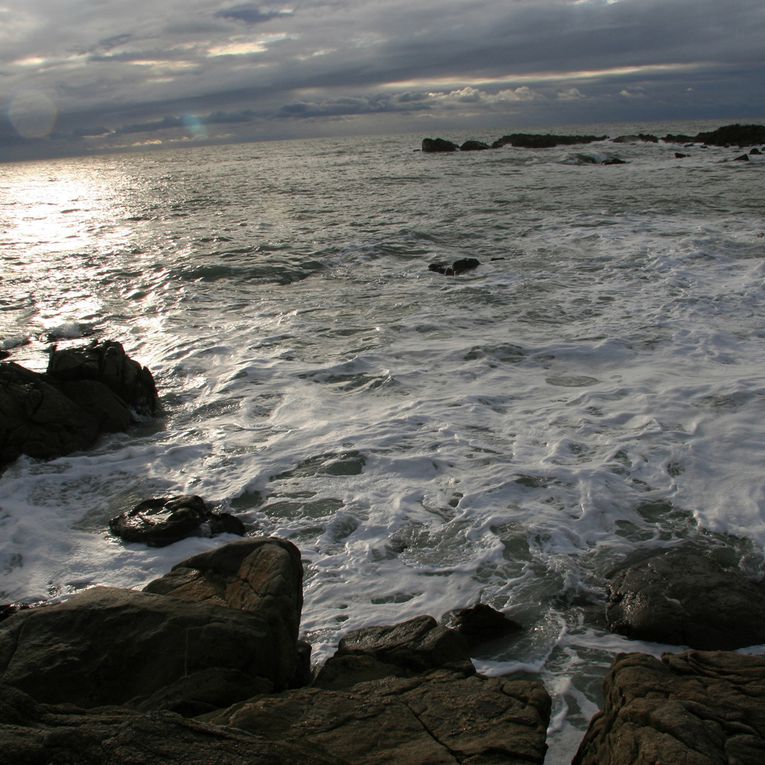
{"type": "Point", "coordinates": [696, 708]}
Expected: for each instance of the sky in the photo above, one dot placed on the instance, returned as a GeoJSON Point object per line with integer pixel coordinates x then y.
{"type": "Point", "coordinates": [80, 76]}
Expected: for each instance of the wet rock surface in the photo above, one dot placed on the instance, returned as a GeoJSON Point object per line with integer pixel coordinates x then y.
{"type": "Point", "coordinates": [161, 521]}
{"type": "Point", "coordinates": [408, 720]}
{"type": "Point", "coordinates": [111, 646]}
{"type": "Point", "coordinates": [85, 393]}
{"type": "Point", "coordinates": [686, 595]}
{"type": "Point", "coordinates": [431, 145]}
{"type": "Point", "coordinates": [458, 267]}
{"type": "Point", "coordinates": [700, 708]}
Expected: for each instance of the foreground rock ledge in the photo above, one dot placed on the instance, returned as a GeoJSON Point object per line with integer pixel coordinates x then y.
{"type": "Point", "coordinates": [697, 708]}
{"type": "Point", "coordinates": [185, 673]}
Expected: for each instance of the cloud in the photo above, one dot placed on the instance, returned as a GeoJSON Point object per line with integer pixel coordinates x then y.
{"type": "Point", "coordinates": [571, 94]}
{"type": "Point", "coordinates": [120, 65]}
{"type": "Point", "coordinates": [252, 14]}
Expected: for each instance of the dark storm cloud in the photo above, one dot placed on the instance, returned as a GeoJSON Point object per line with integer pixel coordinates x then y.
{"type": "Point", "coordinates": [250, 14]}
{"type": "Point", "coordinates": [119, 65]}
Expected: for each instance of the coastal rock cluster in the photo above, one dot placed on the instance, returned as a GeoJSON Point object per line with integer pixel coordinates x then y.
{"type": "Point", "coordinates": [85, 393]}
{"type": "Point", "coordinates": [203, 666]}
{"type": "Point", "coordinates": [206, 663]}
{"type": "Point", "coordinates": [728, 135]}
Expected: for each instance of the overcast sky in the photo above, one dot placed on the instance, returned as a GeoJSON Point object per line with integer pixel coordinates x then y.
{"type": "Point", "coordinates": [81, 75]}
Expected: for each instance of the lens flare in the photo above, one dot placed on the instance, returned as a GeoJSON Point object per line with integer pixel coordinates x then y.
{"type": "Point", "coordinates": [32, 114]}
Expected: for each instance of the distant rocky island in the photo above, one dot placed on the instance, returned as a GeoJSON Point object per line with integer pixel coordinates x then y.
{"type": "Point", "coordinates": [728, 135]}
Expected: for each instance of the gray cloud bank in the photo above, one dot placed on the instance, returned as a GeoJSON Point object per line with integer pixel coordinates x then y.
{"type": "Point", "coordinates": [83, 76]}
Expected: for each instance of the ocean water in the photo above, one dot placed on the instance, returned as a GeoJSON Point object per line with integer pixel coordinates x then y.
{"type": "Point", "coordinates": [596, 386]}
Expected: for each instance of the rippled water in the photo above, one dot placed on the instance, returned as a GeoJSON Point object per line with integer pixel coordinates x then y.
{"type": "Point", "coordinates": [595, 386]}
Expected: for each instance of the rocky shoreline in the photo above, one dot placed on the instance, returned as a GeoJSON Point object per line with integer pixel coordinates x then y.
{"type": "Point", "coordinates": [206, 664]}
{"type": "Point", "coordinates": [727, 136]}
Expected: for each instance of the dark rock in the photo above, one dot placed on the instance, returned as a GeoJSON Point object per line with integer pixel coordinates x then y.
{"type": "Point", "coordinates": [613, 161]}
{"type": "Point", "coordinates": [456, 268]}
{"type": "Point", "coordinates": [163, 520]}
{"type": "Point", "coordinates": [544, 141]}
{"type": "Point", "coordinates": [680, 155]}
{"type": "Point", "coordinates": [400, 650]}
{"type": "Point", "coordinates": [474, 146]}
{"type": "Point", "coordinates": [482, 623]}
{"type": "Point", "coordinates": [37, 419]}
{"type": "Point", "coordinates": [742, 158]}
{"type": "Point", "coordinates": [645, 137]}
{"type": "Point", "coordinates": [687, 140]}
{"type": "Point", "coordinates": [110, 646]}
{"type": "Point", "coordinates": [684, 596]}
{"type": "Point", "coordinates": [263, 576]}
{"type": "Point", "coordinates": [693, 707]}
{"type": "Point", "coordinates": [4, 354]}
{"type": "Point", "coordinates": [438, 145]}
{"type": "Point", "coordinates": [755, 152]}
{"type": "Point", "coordinates": [439, 717]}
{"type": "Point", "coordinates": [108, 364]}
{"type": "Point", "coordinates": [38, 734]}
{"type": "Point", "coordinates": [85, 393]}
{"type": "Point", "coordinates": [734, 135]}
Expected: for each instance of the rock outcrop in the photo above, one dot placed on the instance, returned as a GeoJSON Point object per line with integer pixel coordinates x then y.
{"type": "Point", "coordinates": [32, 733]}
{"type": "Point", "coordinates": [85, 393]}
{"type": "Point", "coordinates": [437, 717]}
{"type": "Point", "coordinates": [544, 140]}
{"type": "Point", "coordinates": [262, 576]}
{"type": "Point", "coordinates": [455, 269]}
{"type": "Point", "coordinates": [685, 596]}
{"type": "Point", "coordinates": [163, 520]}
{"type": "Point", "coordinates": [115, 676]}
{"type": "Point", "coordinates": [474, 146]}
{"type": "Point", "coordinates": [727, 135]}
{"type": "Point", "coordinates": [698, 708]}
{"type": "Point", "coordinates": [438, 145]}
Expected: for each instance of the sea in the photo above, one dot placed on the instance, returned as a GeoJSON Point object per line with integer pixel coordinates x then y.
{"type": "Point", "coordinates": [596, 386]}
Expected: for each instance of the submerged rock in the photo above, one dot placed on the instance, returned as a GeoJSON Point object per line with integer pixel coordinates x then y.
{"type": "Point", "coordinates": [161, 521]}
{"type": "Point", "coordinates": [456, 268]}
{"type": "Point", "coordinates": [684, 596]}
{"type": "Point", "coordinates": [693, 707]}
{"type": "Point", "coordinates": [438, 145]}
{"type": "Point", "coordinates": [482, 623]}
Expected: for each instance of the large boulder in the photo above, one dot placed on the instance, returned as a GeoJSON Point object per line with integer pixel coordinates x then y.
{"type": "Point", "coordinates": [438, 145]}
{"type": "Point", "coordinates": [263, 576]}
{"type": "Point", "coordinates": [436, 717]}
{"type": "Point", "coordinates": [111, 646]}
{"type": "Point", "coordinates": [699, 708]}
{"type": "Point", "coordinates": [37, 419]}
{"type": "Point", "coordinates": [37, 734]}
{"type": "Point", "coordinates": [474, 146]}
{"type": "Point", "coordinates": [401, 650]}
{"type": "Point", "coordinates": [85, 393]}
{"type": "Point", "coordinates": [106, 363]}
{"type": "Point", "coordinates": [163, 520]}
{"type": "Point", "coordinates": [685, 596]}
